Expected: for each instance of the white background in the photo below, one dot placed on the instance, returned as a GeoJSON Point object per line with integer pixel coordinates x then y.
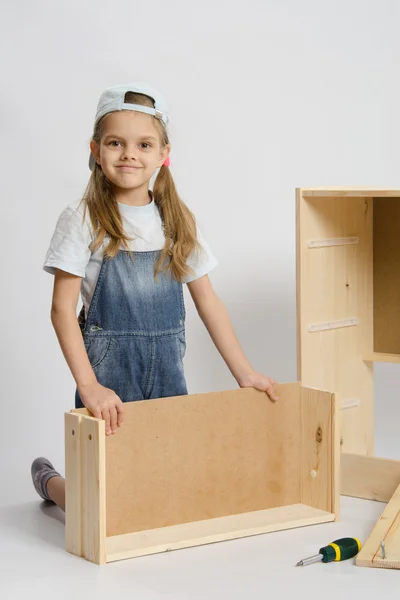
{"type": "Point", "coordinates": [265, 96]}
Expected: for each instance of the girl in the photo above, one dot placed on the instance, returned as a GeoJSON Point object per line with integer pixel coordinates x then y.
{"type": "Point", "coordinates": [128, 251]}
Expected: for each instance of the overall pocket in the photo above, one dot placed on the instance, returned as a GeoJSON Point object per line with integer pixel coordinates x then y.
{"type": "Point", "coordinates": [97, 349]}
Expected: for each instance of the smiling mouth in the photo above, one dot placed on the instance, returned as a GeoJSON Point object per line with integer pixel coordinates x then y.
{"type": "Point", "coordinates": [127, 168]}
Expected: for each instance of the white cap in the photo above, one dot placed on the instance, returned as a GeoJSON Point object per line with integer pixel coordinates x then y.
{"type": "Point", "coordinates": [113, 99]}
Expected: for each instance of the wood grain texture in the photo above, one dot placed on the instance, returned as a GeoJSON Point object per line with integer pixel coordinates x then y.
{"type": "Point", "coordinates": [93, 489]}
{"type": "Point", "coordinates": [320, 449]}
{"type": "Point", "coordinates": [386, 275]}
{"type": "Point", "coordinates": [334, 283]}
{"type": "Point", "coordinates": [369, 477]}
{"type": "Point", "coordinates": [213, 530]}
{"type": "Point", "coordinates": [387, 529]}
{"type": "Point", "coordinates": [73, 484]}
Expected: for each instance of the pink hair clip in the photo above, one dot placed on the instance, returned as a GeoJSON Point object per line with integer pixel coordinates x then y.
{"type": "Point", "coordinates": [166, 162]}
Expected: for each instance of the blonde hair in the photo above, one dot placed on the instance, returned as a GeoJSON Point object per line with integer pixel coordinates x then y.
{"type": "Point", "coordinates": [178, 221]}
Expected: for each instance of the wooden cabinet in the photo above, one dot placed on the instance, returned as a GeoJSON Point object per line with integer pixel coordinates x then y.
{"type": "Point", "coordinates": [348, 298]}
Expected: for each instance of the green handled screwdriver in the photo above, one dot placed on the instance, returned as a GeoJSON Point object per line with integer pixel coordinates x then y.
{"type": "Point", "coordinates": [337, 550]}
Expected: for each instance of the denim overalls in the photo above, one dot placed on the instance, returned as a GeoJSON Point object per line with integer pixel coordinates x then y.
{"type": "Point", "coordinates": [134, 333]}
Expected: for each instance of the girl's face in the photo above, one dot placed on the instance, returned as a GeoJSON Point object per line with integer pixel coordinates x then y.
{"type": "Point", "coordinates": [130, 148]}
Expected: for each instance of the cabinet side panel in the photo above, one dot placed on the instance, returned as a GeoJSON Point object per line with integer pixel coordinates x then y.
{"type": "Point", "coordinates": [335, 308]}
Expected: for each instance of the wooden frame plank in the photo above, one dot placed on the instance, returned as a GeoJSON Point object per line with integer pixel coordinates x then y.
{"type": "Point", "coordinates": [349, 192]}
{"type": "Point", "coordinates": [369, 477]}
{"type": "Point", "coordinates": [73, 484]}
{"type": "Point", "coordinates": [299, 287]}
{"type": "Point", "coordinates": [320, 450]}
{"type": "Point", "coordinates": [335, 457]}
{"type": "Point", "coordinates": [386, 531]}
{"type": "Point", "coordinates": [381, 357]}
{"type": "Point", "coordinates": [93, 489]}
{"type": "Point", "coordinates": [213, 530]}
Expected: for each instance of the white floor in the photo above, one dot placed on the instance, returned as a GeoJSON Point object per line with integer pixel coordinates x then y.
{"type": "Point", "coordinates": [33, 563]}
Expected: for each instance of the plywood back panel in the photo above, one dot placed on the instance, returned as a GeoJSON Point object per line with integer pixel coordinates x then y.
{"type": "Point", "coordinates": [183, 459]}
{"type": "Point", "coordinates": [387, 275]}
{"type": "Point", "coordinates": [208, 456]}
{"type": "Point", "coordinates": [334, 284]}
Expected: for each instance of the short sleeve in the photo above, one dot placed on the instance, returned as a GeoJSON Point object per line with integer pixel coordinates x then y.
{"type": "Point", "coordinates": [202, 261]}
{"type": "Point", "coordinates": [69, 246]}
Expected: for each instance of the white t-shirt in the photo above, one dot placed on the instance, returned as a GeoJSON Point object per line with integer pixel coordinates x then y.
{"type": "Point", "coordinates": [69, 246]}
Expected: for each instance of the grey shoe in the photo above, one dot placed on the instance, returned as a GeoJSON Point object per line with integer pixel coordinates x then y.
{"type": "Point", "coordinates": [42, 470]}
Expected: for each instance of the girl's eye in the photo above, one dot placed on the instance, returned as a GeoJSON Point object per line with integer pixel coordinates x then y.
{"type": "Point", "coordinates": [114, 143]}
{"type": "Point", "coordinates": [146, 144]}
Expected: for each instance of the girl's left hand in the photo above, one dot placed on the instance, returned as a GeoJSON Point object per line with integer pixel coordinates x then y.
{"type": "Point", "coordinates": [260, 382]}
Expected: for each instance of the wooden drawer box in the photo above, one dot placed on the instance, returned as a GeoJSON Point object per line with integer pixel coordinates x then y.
{"type": "Point", "coordinates": [197, 469]}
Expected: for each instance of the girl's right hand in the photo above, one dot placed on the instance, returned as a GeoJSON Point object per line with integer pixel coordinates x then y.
{"type": "Point", "coordinates": [104, 403]}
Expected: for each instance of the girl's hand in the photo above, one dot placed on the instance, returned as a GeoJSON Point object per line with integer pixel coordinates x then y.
{"type": "Point", "coordinates": [103, 403]}
{"type": "Point", "coordinates": [260, 382]}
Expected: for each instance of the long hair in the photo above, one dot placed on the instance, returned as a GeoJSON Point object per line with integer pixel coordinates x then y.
{"type": "Point", "coordinates": [178, 221]}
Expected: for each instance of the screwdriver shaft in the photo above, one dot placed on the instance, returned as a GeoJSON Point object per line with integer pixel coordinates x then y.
{"type": "Point", "coordinates": [310, 560]}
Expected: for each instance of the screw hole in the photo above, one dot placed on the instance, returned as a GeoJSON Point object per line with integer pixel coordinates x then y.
{"type": "Point", "coordinates": [90, 436]}
{"type": "Point", "coordinates": [73, 432]}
